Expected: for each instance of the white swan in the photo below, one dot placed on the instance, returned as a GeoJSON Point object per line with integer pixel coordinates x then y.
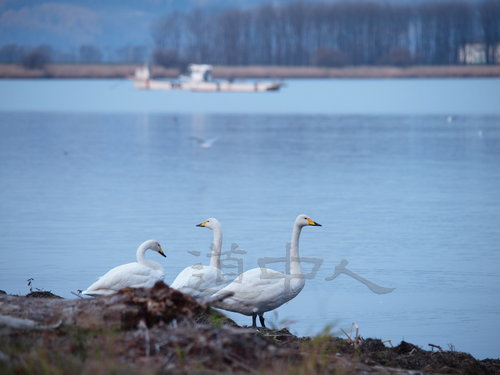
{"type": "Point", "coordinates": [143, 273]}
{"type": "Point", "coordinates": [202, 281]}
{"type": "Point", "coordinates": [262, 289]}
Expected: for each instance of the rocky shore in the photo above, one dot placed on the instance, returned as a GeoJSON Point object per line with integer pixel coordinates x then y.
{"type": "Point", "coordinates": [161, 330]}
{"type": "Point", "coordinates": [78, 71]}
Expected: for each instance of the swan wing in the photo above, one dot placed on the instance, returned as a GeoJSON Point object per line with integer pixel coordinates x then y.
{"type": "Point", "coordinates": [198, 281]}
{"type": "Point", "coordinates": [198, 139]}
{"type": "Point", "coordinates": [132, 275]}
{"type": "Point", "coordinates": [256, 290]}
{"type": "Point", "coordinates": [212, 140]}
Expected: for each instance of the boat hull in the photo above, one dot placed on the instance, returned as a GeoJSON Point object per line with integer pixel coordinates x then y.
{"type": "Point", "coordinates": [150, 84]}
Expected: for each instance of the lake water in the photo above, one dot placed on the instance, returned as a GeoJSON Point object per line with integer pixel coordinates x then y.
{"type": "Point", "coordinates": [404, 175]}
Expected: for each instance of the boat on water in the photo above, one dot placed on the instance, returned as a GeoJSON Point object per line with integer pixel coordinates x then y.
{"type": "Point", "coordinates": [199, 78]}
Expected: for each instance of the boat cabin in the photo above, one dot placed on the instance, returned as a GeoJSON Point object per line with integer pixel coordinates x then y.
{"type": "Point", "coordinates": [200, 72]}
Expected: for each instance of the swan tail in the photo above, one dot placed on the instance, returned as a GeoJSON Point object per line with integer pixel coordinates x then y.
{"type": "Point", "coordinates": [216, 300]}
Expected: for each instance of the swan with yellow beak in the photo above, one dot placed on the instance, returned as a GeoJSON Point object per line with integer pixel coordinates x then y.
{"type": "Point", "coordinates": [262, 289]}
{"type": "Point", "coordinates": [202, 281]}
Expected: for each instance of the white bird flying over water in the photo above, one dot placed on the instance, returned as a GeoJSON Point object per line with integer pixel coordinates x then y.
{"type": "Point", "coordinates": [205, 143]}
{"type": "Point", "coordinates": [141, 274]}
{"type": "Point", "coordinates": [262, 289]}
{"type": "Point", "coordinates": [202, 281]}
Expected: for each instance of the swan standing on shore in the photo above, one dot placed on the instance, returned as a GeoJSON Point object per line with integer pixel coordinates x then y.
{"type": "Point", "coordinates": [141, 274]}
{"type": "Point", "coordinates": [262, 289]}
{"type": "Point", "coordinates": [202, 281]}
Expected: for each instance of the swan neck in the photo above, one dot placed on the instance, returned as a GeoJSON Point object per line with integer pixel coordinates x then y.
{"type": "Point", "coordinates": [216, 248]}
{"type": "Point", "coordinates": [141, 259]}
{"type": "Point", "coordinates": [295, 268]}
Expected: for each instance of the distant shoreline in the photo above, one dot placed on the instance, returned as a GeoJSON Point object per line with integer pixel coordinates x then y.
{"type": "Point", "coordinates": [100, 71]}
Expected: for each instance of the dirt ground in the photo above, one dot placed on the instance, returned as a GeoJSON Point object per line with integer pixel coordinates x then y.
{"type": "Point", "coordinates": [161, 330]}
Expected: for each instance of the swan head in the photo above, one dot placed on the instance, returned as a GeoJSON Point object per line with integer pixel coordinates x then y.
{"type": "Point", "coordinates": [210, 223]}
{"type": "Point", "coordinates": [155, 246]}
{"type": "Point", "coordinates": [304, 220]}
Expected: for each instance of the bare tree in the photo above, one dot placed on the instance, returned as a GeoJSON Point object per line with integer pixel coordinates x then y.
{"type": "Point", "coordinates": [12, 53]}
{"type": "Point", "coordinates": [490, 22]}
{"type": "Point", "coordinates": [331, 34]}
{"type": "Point", "coordinates": [328, 57]}
{"type": "Point", "coordinates": [265, 44]}
{"type": "Point", "coordinates": [169, 59]}
{"type": "Point", "coordinates": [90, 53]}
{"type": "Point", "coordinates": [168, 31]}
{"type": "Point", "coordinates": [397, 56]}
{"type": "Point", "coordinates": [37, 58]}
{"type": "Point", "coordinates": [132, 53]}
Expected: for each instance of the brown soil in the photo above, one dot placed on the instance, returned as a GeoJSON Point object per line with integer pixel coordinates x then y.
{"type": "Point", "coordinates": [42, 294]}
{"type": "Point", "coordinates": [161, 330]}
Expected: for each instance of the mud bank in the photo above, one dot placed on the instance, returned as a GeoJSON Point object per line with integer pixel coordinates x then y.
{"type": "Point", "coordinates": [78, 71]}
{"type": "Point", "coordinates": [161, 330]}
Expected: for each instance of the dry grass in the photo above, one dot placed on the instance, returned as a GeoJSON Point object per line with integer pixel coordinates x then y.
{"type": "Point", "coordinates": [162, 331]}
{"type": "Point", "coordinates": [274, 72]}
{"type": "Point", "coordinates": [79, 71]}
{"type": "Point", "coordinates": [359, 71]}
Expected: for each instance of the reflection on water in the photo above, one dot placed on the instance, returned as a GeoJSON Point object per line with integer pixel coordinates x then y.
{"type": "Point", "coordinates": [411, 202]}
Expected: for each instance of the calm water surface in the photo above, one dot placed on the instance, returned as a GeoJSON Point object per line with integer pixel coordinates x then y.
{"type": "Point", "coordinates": [411, 200]}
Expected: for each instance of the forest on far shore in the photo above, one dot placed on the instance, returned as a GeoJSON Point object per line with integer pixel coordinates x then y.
{"type": "Point", "coordinates": [305, 34]}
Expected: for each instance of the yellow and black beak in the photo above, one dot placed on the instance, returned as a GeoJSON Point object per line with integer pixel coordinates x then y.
{"type": "Point", "coordinates": [161, 252]}
{"type": "Point", "coordinates": [312, 222]}
{"type": "Point", "coordinates": [202, 224]}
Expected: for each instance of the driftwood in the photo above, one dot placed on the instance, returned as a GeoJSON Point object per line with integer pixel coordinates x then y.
{"type": "Point", "coordinates": [18, 323]}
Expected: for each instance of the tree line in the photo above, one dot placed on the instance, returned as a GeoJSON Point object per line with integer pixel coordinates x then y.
{"type": "Point", "coordinates": [39, 56]}
{"type": "Point", "coordinates": [299, 34]}
{"type": "Point", "coordinates": [334, 34]}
